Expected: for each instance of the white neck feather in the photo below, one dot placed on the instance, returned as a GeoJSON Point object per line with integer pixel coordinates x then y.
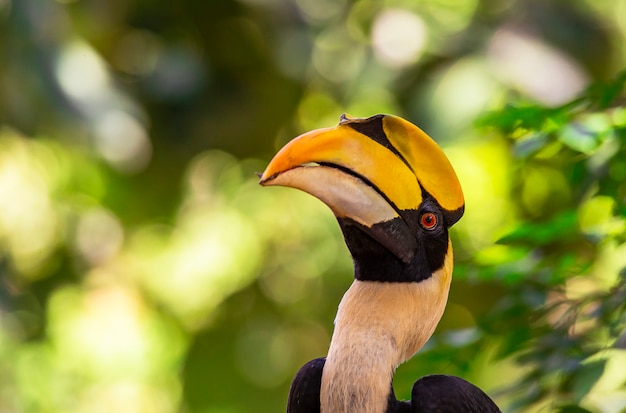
{"type": "Point", "coordinates": [378, 326]}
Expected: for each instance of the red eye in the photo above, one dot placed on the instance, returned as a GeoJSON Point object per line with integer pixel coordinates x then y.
{"type": "Point", "coordinates": [428, 220]}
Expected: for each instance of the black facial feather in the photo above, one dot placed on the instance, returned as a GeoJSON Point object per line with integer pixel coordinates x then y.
{"type": "Point", "coordinates": [374, 262]}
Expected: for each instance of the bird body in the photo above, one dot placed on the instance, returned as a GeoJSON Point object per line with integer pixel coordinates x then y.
{"type": "Point", "coordinates": [395, 195]}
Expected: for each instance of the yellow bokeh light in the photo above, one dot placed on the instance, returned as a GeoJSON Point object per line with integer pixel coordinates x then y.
{"type": "Point", "coordinates": [101, 329]}
{"type": "Point", "coordinates": [398, 37]}
{"type": "Point", "coordinates": [27, 179]}
{"type": "Point", "coordinates": [99, 235]}
{"type": "Point", "coordinates": [464, 91]}
{"type": "Point", "coordinates": [482, 170]}
{"type": "Point", "coordinates": [122, 140]}
{"type": "Point", "coordinates": [209, 256]}
{"type": "Point", "coordinates": [337, 56]}
{"type": "Point", "coordinates": [105, 347]}
{"type": "Point", "coordinates": [319, 11]}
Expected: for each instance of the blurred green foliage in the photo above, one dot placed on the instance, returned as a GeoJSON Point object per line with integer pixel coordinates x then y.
{"type": "Point", "coordinates": [142, 269]}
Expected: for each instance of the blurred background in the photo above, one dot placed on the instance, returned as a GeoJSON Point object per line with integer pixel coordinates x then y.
{"type": "Point", "coordinates": [143, 269]}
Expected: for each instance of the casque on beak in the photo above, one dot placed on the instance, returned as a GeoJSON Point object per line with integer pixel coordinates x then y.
{"type": "Point", "coordinates": [371, 171]}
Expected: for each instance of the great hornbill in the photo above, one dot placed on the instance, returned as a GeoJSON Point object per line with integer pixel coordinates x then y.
{"type": "Point", "coordinates": [395, 195]}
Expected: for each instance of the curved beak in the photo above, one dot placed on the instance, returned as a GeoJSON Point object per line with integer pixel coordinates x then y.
{"type": "Point", "coordinates": [370, 171]}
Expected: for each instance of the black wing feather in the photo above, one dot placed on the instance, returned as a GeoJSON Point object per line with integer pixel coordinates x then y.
{"type": "Point", "coordinates": [449, 394]}
{"type": "Point", "coordinates": [304, 395]}
{"type": "Point", "coordinates": [431, 394]}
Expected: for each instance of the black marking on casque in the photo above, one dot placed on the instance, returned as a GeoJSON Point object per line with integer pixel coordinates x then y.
{"type": "Point", "coordinates": [372, 127]}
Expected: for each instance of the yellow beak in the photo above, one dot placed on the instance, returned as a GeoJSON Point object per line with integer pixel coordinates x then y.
{"type": "Point", "coordinates": [371, 171]}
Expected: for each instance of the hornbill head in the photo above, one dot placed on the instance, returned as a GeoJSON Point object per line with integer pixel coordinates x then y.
{"type": "Point", "coordinates": [391, 187]}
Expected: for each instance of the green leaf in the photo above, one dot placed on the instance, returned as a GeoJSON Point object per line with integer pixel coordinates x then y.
{"type": "Point", "coordinates": [579, 138]}
{"type": "Point", "coordinates": [562, 226]}
{"type": "Point", "coordinates": [513, 117]}
{"type": "Point", "coordinates": [586, 377]}
{"type": "Point", "coordinates": [572, 408]}
{"type": "Point", "coordinates": [604, 94]}
{"type": "Point", "coordinates": [530, 145]}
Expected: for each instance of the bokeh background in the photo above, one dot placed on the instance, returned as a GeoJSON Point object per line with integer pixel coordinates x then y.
{"type": "Point", "coordinates": [143, 269]}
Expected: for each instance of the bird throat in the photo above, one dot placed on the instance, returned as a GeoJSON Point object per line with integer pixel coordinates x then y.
{"type": "Point", "coordinates": [379, 325]}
